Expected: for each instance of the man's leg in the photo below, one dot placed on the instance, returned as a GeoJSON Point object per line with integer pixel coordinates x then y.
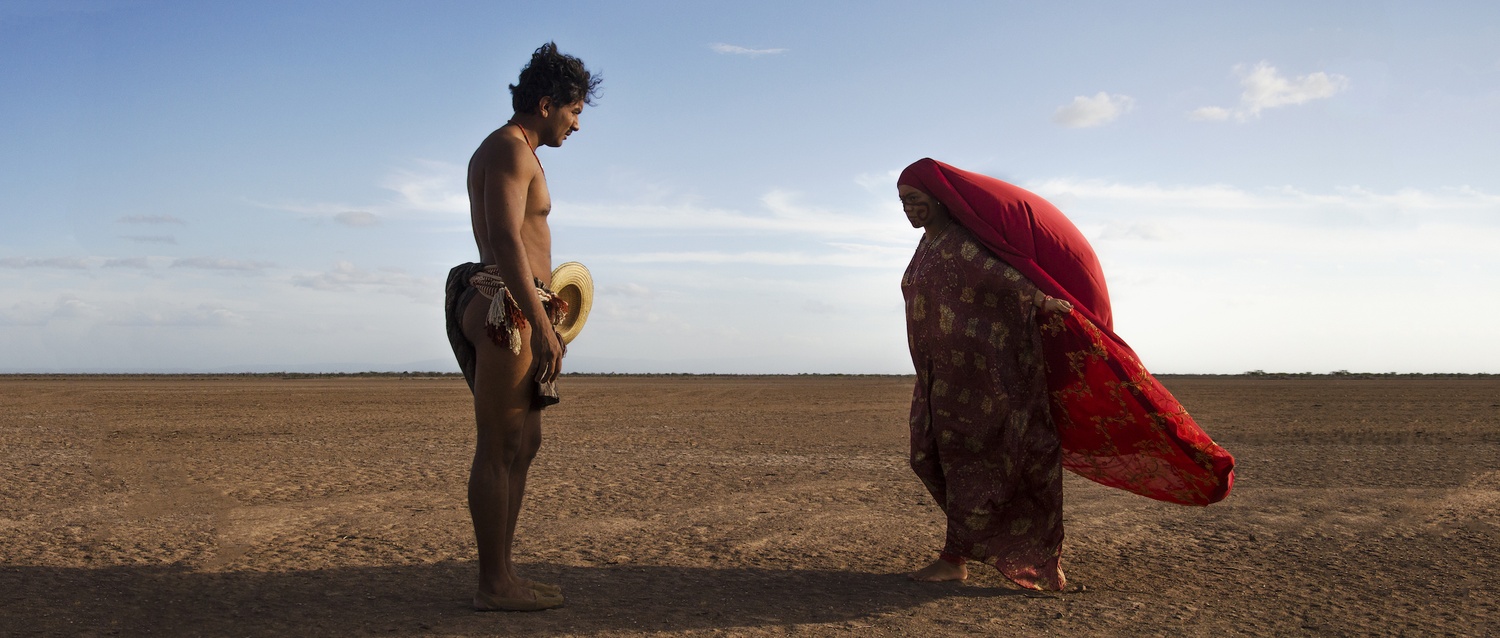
{"type": "Point", "coordinates": [508, 434]}
{"type": "Point", "coordinates": [530, 441]}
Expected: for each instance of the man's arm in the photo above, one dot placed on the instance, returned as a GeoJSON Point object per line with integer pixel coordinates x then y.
{"type": "Point", "coordinates": [506, 183]}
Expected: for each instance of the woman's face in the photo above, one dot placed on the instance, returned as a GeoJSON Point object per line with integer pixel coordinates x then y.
{"type": "Point", "coordinates": [921, 209]}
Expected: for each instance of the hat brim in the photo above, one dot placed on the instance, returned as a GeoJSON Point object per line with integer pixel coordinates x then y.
{"type": "Point", "coordinates": [572, 282]}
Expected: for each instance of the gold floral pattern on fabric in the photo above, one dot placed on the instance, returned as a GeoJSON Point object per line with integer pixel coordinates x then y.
{"type": "Point", "coordinates": [982, 441]}
{"type": "Point", "coordinates": [1120, 427]}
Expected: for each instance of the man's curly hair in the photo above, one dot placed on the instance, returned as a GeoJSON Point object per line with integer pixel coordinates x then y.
{"type": "Point", "coordinates": [559, 76]}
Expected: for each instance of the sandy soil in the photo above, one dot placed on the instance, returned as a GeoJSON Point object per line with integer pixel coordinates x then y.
{"type": "Point", "coordinates": [692, 505]}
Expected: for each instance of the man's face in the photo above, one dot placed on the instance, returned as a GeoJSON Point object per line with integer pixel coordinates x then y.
{"type": "Point", "coordinates": [559, 122]}
{"type": "Point", "coordinates": [920, 207]}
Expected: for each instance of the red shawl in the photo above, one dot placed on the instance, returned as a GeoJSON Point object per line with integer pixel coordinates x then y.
{"type": "Point", "coordinates": [1118, 425]}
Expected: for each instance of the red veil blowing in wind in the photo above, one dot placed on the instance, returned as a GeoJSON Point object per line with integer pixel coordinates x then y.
{"type": "Point", "coordinates": [1117, 424]}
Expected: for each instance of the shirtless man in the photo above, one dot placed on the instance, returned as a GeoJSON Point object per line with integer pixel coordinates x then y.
{"type": "Point", "coordinates": [500, 317]}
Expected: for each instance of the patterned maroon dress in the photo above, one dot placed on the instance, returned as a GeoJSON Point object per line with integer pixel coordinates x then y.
{"type": "Point", "coordinates": [982, 438]}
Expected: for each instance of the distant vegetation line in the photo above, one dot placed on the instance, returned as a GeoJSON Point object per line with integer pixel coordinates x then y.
{"type": "Point", "coordinates": [414, 374]}
{"type": "Point", "coordinates": [1345, 374]}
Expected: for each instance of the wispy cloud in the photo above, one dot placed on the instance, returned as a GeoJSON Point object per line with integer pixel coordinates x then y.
{"type": "Point", "coordinates": [222, 264]}
{"type": "Point", "coordinates": [1201, 197]}
{"type": "Point", "coordinates": [80, 263]}
{"type": "Point", "coordinates": [127, 262]}
{"type": "Point", "coordinates": [843, 255]}
{"type": "Point", "coordinates": [201, 316]}
{"type": "Point", "coordinates": [1347, 205]}
{"type": "Point", "coordinates": [781, 214]}
{"type": "Point", "coordinates": [345, 277]}
{"type": "Point", "coordinates": [428, 188]}
{"type": "Point", "coordinates": [732, 49]}
{"type": "Point", "coordinates": [627, 289]}
{"type": "Point", "coordinates": [67, 306]}
{"type": "Point", "coordinates": [150, 219]}
{"type": "Point", "coordinates": [1211, 114]}
{"type": "Point", "coordinates": [1141, 231]}
{"type": "Point", "coordinates": [151, 239]}
{"type": "Point", "coordinates": [882, 184]}
{"type": "Point", "coordinates": [1266, 88]}
{"type": "Point", "coordinates": [66, 263]}
{"type": "Point", "coordinates": [357, 218]}
{"type": "Point", "coordinates": [116, 311]}
{"type": "Point", "coordinates": [433, 187]}
{"type": "Point", "coordinates": [1089, 111]}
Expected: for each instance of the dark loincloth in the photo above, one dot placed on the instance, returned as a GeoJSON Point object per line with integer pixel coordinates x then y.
{"type": "Point", "coordinates": [502, 326]}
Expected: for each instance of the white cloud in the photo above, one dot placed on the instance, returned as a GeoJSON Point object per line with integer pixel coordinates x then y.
{"type": "Point", "coordinates": [65, 263]}
{"type": "Point", "coordinates": [1089, 111]}
{"type": "Point", "coordinates": [150, 219]}
{"type": "Point", "coordinates": [80, 263]}
{"type": "Point", "coordinates": [151, 239]}
{"type": "Point", "coordinates": [430, 189]}
{"type": "Point", "coordinates": [94, 308]}
{"type": "Point", "coordinates": [1210, 114]}
{"type": "Point", "coordinates": [1266, 88]}
{"type": "Point", "coordinates": [1144, 231]}
{"type": "Point", "coordinates": [730, 49]}
{"type": "Point", "coordinates": [1347, 206]}
{"type": "Point", "coordinates": [1206, 197]}
{"type": "Point", "coordinates": [627, 289]}
{"type": "Point", "coordinates": [216, 263]}
{"type": "Point", "coordinates": [127, 262]}
{"type": "Point", "coordinates": [208, 315]}
{"type": "Point", "coordinates": [1204, 278]}
{"type": "Point", "coordinates": [783, 215]}
{"type": "Point", "coordinates": [73, 307]}
{"type": "Point", "coordinates": [1218, 278]}
{"type": "Point", "coordinates": [851, 256]}
{"type": "Point", "coordinates": [437, 187]}
{"type": "Point", "coordinates": [345, 277]}
{"type": "Point", "coordinates": [38, 313]}
{"type": "Point", "coordinates": [357, 218]}
{"type": "Point", "coordinates": [882, 184]}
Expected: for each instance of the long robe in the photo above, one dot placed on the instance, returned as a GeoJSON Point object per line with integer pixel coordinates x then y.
{"type": "Point", "coordinates": [1118, 425]}
{"type": "Point", "coordinates": [982, 438]}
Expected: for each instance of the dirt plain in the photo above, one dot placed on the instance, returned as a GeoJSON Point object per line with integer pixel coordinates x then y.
{"type": "Point", "coordinates": [268, 506]}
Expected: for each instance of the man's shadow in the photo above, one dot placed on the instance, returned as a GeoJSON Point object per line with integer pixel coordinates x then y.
{"type": "Point", "coordinates": [434, 598]}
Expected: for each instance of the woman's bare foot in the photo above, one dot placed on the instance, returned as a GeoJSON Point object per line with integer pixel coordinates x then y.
{"type": "Point", "coordinates": [940, 571]}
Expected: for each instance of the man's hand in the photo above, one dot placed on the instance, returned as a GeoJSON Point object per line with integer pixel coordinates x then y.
{"type": "Point", "coordinates": [546, 351]}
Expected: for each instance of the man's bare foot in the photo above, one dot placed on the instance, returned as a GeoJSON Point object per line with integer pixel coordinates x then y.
{"type": "Point", "coordinates": [515, 596]}
{"type": "Point", "coordinates": [940, 571]}
{"type": "Point", "coordinates": [542, 588]}
{"type": "Point", "coordinates": [534, 601]}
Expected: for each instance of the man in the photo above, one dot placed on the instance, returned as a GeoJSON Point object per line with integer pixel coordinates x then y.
{"type": "Point", "coordinates": [501, 315]}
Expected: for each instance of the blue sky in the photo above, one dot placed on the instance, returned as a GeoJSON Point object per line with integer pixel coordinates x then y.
{"type": "Point", "coordinates": [279, 185]}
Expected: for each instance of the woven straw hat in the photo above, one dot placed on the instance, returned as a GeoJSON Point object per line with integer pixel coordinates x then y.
{"type": "Point", "coordinates": [572, 282]}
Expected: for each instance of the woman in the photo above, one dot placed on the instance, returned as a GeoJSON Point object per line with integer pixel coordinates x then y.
{"type": "Point", "coordinates": [1019, 375]}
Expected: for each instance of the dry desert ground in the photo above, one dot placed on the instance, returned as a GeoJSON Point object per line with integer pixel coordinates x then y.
{"type": "Point", "coordinates": [270, 506]}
